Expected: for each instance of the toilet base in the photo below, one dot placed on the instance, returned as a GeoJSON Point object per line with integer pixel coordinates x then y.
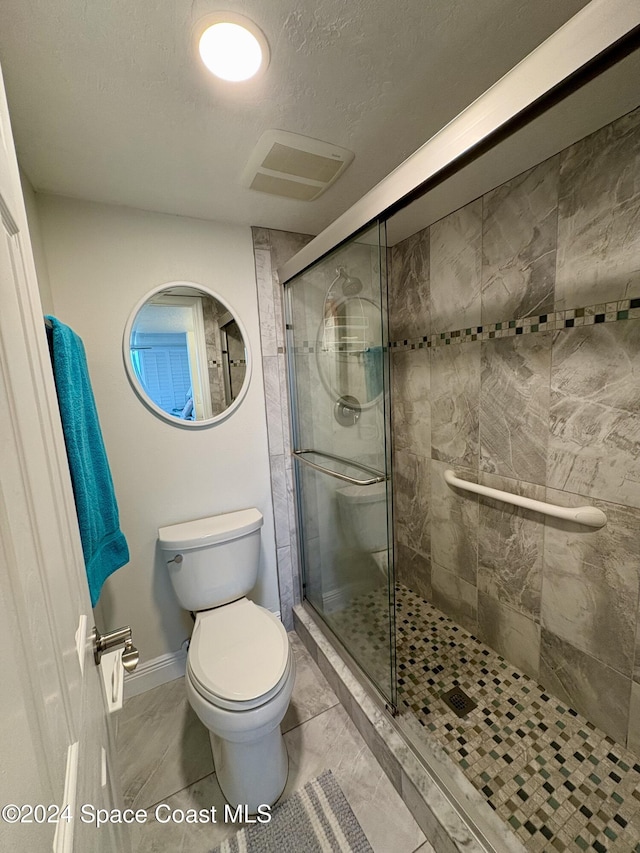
{"type": "Point", "coordinates": [251, 774]}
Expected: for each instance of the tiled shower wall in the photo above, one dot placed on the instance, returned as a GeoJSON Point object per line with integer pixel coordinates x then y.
{"type": "Point", "coordinates": [515, 324]}
{"type": "Point", "coordinates": [271, 250]}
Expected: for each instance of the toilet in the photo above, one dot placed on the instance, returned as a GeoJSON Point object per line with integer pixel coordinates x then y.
{"type": "Point", "coordinates": [363, 516]}
{"type": "Point", "coordinates": [240, 668]}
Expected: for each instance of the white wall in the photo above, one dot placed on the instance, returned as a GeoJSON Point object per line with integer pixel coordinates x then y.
{"type": "Point", "coordinates": [102, 259]}
{"type": "Point", "coordinates": [36, 243]}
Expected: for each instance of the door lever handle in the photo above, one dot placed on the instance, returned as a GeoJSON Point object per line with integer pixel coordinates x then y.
{"type": "Point", "coordinates": [120, 637]}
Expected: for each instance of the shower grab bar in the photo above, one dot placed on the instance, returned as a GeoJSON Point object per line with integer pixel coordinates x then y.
{"type": "Point", "coordinates": [378, 478]}
{"type": "Point", "coordinates": [589, 515]}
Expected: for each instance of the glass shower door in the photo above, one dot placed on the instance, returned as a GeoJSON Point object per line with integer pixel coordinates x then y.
{"type": "Point", "coordinates": [339, 374]}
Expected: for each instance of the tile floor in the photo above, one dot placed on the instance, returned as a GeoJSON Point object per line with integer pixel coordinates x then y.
{"type": "Point", "coordinates": [165, 756]}
{"type": "Point", "coordinates": [559, 782]}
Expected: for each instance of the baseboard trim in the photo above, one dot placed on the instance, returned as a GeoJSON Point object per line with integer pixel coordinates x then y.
{"type": "Point", "coordinates": [155, 672]}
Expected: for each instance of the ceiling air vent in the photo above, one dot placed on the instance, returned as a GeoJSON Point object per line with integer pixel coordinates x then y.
{"type": "Point", "coordinates": [294, 166]}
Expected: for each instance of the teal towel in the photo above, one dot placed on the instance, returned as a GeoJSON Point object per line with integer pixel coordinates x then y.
{"type": "Point", "coordinates": [103, 544]}
{"type": "Point", "coordinates": [373, 367]}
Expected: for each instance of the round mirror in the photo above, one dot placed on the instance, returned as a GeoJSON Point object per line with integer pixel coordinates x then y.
{"type": "Point", "coordinates": [186, 354]}
{"type": "Point", "coordinates": [349, 349]}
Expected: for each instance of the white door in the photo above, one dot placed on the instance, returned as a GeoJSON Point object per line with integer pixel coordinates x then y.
{"type": "Point", "coordinates": [55, 739]}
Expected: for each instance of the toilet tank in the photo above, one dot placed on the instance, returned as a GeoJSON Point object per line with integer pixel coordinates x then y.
{"type": "Point", "coordinates": [213, 560]}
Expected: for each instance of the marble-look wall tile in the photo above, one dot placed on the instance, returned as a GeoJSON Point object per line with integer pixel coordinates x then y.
{"type": "Point", "coordinates": [512, 635]}
{"type": "Point", "coordinates": [510, 547]}
{"type": "Point", "coordinates": [284, 245]}
{"type": "Point", "coordinates": [296, 569]}
{"type": "Point", "coordinates": [271, 250]}
{"type": "Point", "coordinates": [599, 216]}
{"type": "Point", "coordinates": [455, 597]}
{"type": "Point", "coordinates": [455, 268]}
{"type": "Point", "coordinates": [278, 310]}
{"type": "Point", "coordinates": [311, 502]}
{"type": "Point", "coordinates": [409, 301]}
{"type": "Point", "coordinates": [594, 445]}
{"type": "Point", "coordinates": [519, 230]}
{"type": "Point", "coordinates": [271, 377]}
{"type": "Point", "coordinates": [412, 504]}
{"type": "Point", "coordinates": [284, 407]}
{"type": "Point", "coordinates": [591, 581]}
{"type": "Point", "coordinates": [411, 406]}
{"type": "Point", "coordinates": [261, 237]}
{"type": "Point", "coordinates": [454, 521]}
{"type": "Point", "coordinates": [266, 308]}
{"type": "Point", "coordinates": [279, 495]}
{"type": "Point", "coordinates": [413, 570]}
{"type": "Point", "coordinates": [598, 692]}
{"type": "Point", "coordinates": [306, 375]}
{"type": "Point", "coordinates": [514, 406]}
{"type": "Point", "coordinates": [633, 737]}
{"type": "Point", "coordinates": [293, 527]}
{"type": "Point", "coordinates": [519, 413]}
{"type": "Point", "coordinates": [636, 669]}
{"type": "Point", "coordinates": [313, 572]}
{"type": "Point", "coordinates": [455, 398]}
{"type": "Point", "coordinates": [285, 586]}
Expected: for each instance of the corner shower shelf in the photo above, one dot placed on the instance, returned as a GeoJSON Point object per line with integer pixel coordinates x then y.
{"type": "Point", "coordinates": [589, 515]}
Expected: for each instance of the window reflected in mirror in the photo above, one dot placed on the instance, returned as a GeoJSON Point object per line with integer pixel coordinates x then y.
{"type": "Point", "coordinates": [186, 354]}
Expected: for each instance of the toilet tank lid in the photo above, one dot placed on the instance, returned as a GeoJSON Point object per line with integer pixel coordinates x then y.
{"type": "Point", "coordinates": [208, 531]}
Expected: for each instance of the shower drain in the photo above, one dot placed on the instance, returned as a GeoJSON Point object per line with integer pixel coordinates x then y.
{"type": "Point", "coordinates": [458, 701]}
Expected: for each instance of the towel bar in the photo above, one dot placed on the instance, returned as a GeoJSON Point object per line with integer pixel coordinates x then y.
{"type": "Point", "coordinates": [378, 476]}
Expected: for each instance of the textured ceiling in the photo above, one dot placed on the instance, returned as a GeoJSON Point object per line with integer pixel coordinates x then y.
{"type": "Point", "coordinates": [109, 102]}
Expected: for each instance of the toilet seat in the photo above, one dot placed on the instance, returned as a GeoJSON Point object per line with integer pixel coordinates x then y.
{"type": "Point", "coordinates": [239, 655]}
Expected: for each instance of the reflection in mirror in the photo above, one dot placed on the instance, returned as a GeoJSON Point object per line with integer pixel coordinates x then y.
{"type": "Point", "coordinates": [186, 355]}
{"type": "Point", "coordinates": [350, 357]}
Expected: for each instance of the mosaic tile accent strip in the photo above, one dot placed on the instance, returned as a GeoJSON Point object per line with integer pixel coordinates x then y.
{"type": "Point", "coordinates": [606, 312]}
{"type": "Point", "coordinates": [308, 349]}
{"type": "Point", "coordinates": [556, 780]}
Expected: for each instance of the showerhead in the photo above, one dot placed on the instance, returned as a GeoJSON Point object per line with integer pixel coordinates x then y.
{"type": "Point", "coordinates": [349, 284]}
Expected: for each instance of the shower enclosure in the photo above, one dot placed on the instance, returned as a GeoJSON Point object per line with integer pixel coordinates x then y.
{"type": "Point", "coordinates": [485, 335]}
{"type": "Point", "coordinates": [339, 368]}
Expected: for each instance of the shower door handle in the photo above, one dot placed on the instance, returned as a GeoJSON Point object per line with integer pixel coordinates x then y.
{"type": "Point", "coordinates": [378, 477]}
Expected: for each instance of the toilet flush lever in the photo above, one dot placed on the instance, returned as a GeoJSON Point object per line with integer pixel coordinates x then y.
{"type": "Point", "coordinates": [177, 559]}
{"type": "Point", "coordinates": [120, 637]}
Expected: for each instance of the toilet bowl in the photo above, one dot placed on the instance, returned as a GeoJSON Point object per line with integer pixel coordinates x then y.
{"type": "Point", "coordinates": [240, 668]}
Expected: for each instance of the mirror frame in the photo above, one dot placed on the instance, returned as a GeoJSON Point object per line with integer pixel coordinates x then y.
{"type": "Point", "coordinates": [133, 379]}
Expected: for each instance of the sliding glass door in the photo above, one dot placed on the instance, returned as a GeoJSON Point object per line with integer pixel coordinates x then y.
{"type": "Point", "coordinates": [339, 373]}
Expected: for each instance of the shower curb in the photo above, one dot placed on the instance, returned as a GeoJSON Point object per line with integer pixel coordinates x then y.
{"type": "Point", "coordinates": [433, 811]}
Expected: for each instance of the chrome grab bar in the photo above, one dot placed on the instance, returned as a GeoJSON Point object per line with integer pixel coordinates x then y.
{"type": "Point", "coordinates": [589, 515]}
{"type": "Point", "coordinates": [377, 478]}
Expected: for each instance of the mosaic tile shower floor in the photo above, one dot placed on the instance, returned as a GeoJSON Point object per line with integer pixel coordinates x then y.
{"type": "Point", "coordinates": [559, 782]}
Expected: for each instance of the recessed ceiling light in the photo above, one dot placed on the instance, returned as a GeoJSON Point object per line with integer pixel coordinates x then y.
{"type": "Point", "coordinates": [232, 47]}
